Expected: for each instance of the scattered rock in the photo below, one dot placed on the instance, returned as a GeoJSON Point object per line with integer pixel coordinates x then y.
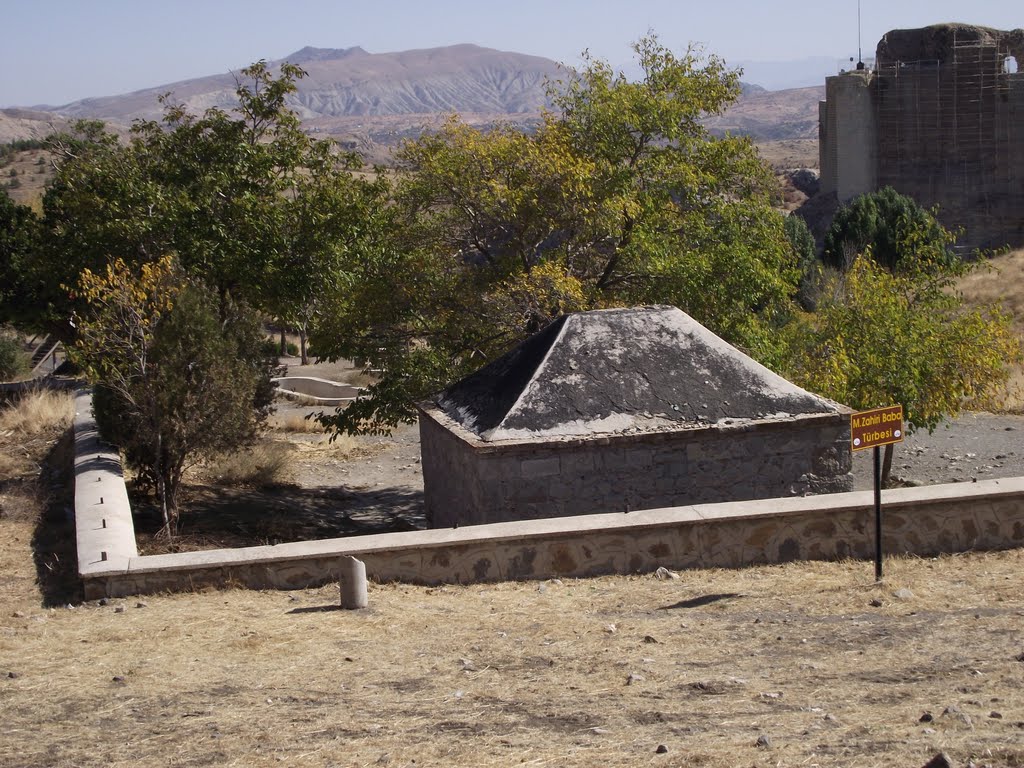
{"type": "Point", "coordinates": [941, 760]}
{"type": "Point", "coordinates": [903, 594]}
{"type": "Point", "coordinates": [117, 679]}
{"type": "Point", "coordinates": [995, 715]}
{"type": "Point", "coordinates": [13, 675]}
{"type": "Point", "coordinates": [384, 759]}
{"type": "Point", "coordinates": [599, 731]}
{"type": "Point", "coordinates": [611, 629]}
{"type": "Point", "coordinates": [18, 615]}
{"type": "Point", "coordinates": [102, 601]}
{"type": "Point", "coordinates": [634, 678]}
{"type": "Point", "coordinates": [954, 712]}
{"type": "Point", "coordinates": [119, 609]}
{"type": "Point", "coordinates": [829, 717]}
{"type": "Point", "coordinates": [927, 717]}
{"type": "Point", "coordinates": [1019, 657]}
{"type": "Point", "coordinates": [764, 742]}
{"type": "Point", "coordinates": [664, 574]}
{"type": "Point", "coordinates": [650, 639]}
{"type": "Point", "coordinates": [876, 603]}
{"type": "Point", "coordinates": [771, 695]}
{"type": "Point", "coordinates": [467, 665]}
{"type": "Point", "coordinates": [141, 605]}
{"type": "Point", "coordinates": [661, 750]}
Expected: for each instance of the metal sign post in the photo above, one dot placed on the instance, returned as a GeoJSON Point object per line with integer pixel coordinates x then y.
{"type": "Point", "coordinates": [873, 429]}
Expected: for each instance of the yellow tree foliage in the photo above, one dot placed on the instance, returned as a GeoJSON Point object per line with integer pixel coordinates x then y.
{"type": "Point", "coordinates": [905, 337]}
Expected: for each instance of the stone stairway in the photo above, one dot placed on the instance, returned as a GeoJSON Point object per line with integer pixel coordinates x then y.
{"type": "Point", "coordinates": [41, 352]}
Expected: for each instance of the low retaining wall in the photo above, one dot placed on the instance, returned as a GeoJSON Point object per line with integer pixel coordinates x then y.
{"type": "Point", "coordinates": [924, 521]}
{"type": "Point", "coordinates": [323, 391]}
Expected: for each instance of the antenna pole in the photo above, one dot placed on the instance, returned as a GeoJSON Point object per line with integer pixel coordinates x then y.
{"type": "Point", "coordinates": [860, 56]}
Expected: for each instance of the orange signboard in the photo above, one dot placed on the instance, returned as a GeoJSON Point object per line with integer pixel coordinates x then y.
{"type": "Point", "coordinates": [879, 426]}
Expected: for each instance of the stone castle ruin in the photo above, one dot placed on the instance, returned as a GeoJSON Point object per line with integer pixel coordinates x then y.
{"type": "Point", "coordinates": [620, 410]}
{"type": "Point", "coordinates": [941, 119]}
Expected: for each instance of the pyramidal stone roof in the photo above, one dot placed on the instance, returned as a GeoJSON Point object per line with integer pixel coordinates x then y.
{"type": "Point", "coordinates": [621, 371]}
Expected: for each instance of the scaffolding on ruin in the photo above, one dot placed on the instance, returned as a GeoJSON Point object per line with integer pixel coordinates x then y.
{"type": "Point", "coordinates": [947, 124]}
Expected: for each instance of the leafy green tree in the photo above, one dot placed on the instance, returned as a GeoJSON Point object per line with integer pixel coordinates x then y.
{"type": "Point", "coordinates": [619, 197]}
{"type": "Point", "coordinates": [19, 236]}
{"type": "Point", "coordinates": [882, 221]}
{"type": "Point", "coordinates": [904, 337]}
{"type": "Point", "coordinates": [178, 375]}
{"type": "Point", "coordinates": [219, 190]}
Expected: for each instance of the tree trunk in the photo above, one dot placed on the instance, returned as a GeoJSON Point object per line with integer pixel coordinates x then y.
{"type": "Point", "coordinates": [302, 344]}
{"type": "Point", "coordinates": [887, 464]}
{"type": "Point", "coordinates": [284, 342]}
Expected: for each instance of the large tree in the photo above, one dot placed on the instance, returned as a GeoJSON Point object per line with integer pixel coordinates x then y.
{"type": "Point", "coordinates": [219, 190]}
{"type": "Point", "coordinates": [19, 237]}
{"type": "Point", "coordinates": [620, 196]}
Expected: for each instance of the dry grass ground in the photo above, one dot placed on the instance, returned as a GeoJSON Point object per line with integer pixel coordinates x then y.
{"type": "Point", "coordinates": [1003, 283]}
{"type": "Point", "coordinates": [562, 673]}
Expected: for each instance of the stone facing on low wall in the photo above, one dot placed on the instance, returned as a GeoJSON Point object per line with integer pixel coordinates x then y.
{"type": "Point", "coordinates": [921, 521]}
{"type": "Point", "coordinates": [468, 481]}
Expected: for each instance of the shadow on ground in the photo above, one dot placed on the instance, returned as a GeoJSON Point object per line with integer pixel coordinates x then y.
{"type": "Point", "coordinates": [215, 516]}
{"type": "Point", "coordinates": [53, 541]}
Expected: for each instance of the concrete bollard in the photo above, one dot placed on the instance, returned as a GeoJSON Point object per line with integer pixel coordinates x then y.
{"type": "Point", "coordinates": [352, 576]}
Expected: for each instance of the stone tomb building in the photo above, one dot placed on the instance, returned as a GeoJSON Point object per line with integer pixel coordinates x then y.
{"type": "Point", "coordinates": [619, 410]}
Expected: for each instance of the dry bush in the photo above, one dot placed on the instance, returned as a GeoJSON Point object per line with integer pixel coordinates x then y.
{"type": "Point", "coordinates": [264, 465]}
{"type": "Point", "coordinates": [38, 411]}
{"type": "Point", "coordinates": [293, 421]}
{"type": "Point", "coordinates": [360, 379]}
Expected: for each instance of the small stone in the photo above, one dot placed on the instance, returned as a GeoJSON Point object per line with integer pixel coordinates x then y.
{"type": "Point", "coordinates": [664, 574]}
{"type": "Point", "coordinates": [995, 715]}
{"type": "Point", "coordinates": [1019, 657]}
{"type": "Point", "coordinates": [349, 658]}
{"type": "Point", "coordinates": [117, 679]}
{"type": "Point", "coordinates": [927, 717]}
{"type": "Point", "coordinates": [102, 601]}
{"type": "Point", "coordinates": [13, 675]}
{"type": "Point", "coordinates": [829, 717]}
{"type": "Point", "coordinates": [903, 594]}
{"type": "Point", "coordinates": [18, 615]}
{"type": "Point", "coordinates": [599, 731]}
{"type": "Point", "coordinates": [119, 609]}
{"type": "Point", "coordinates": [661, 750]}
{"type": "Point", "coordinates": [634, 678]}
{"type": "Point", "coordinates": [941, 760]}
{"type": "Point", "coordinates": [649, 639]}
{"type": "Point", "coordinates": [611, 629]}
{"type": "Point", "coordinates": [928, 731]}
{"type": "Point", "coordinates": [764, 742]}
{"type": "Point", "coordinates": [876, 603]}
{"type": "Point", "coordinates": [542, 587]}
{"type": "Point", "coordinates": [467, 665]}
{"type": "Point", "coordinates": [141, 605]}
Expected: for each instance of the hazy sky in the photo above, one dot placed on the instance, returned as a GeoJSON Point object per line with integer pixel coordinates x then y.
{"type": "Point", "coordinates": [57, 51]}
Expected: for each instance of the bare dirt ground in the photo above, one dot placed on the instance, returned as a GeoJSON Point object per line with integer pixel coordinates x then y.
{"type": "Point", "coordinates": [803, 664]}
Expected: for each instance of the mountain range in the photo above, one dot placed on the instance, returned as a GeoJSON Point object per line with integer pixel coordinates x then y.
{"type": "Point", "coordinates": [371, 98]}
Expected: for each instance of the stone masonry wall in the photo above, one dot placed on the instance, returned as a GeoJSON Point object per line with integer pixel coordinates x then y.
{"type": "Point", "coordinates": [470, 482]}
{"type": "Point", "coordinates": [920, 521]}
